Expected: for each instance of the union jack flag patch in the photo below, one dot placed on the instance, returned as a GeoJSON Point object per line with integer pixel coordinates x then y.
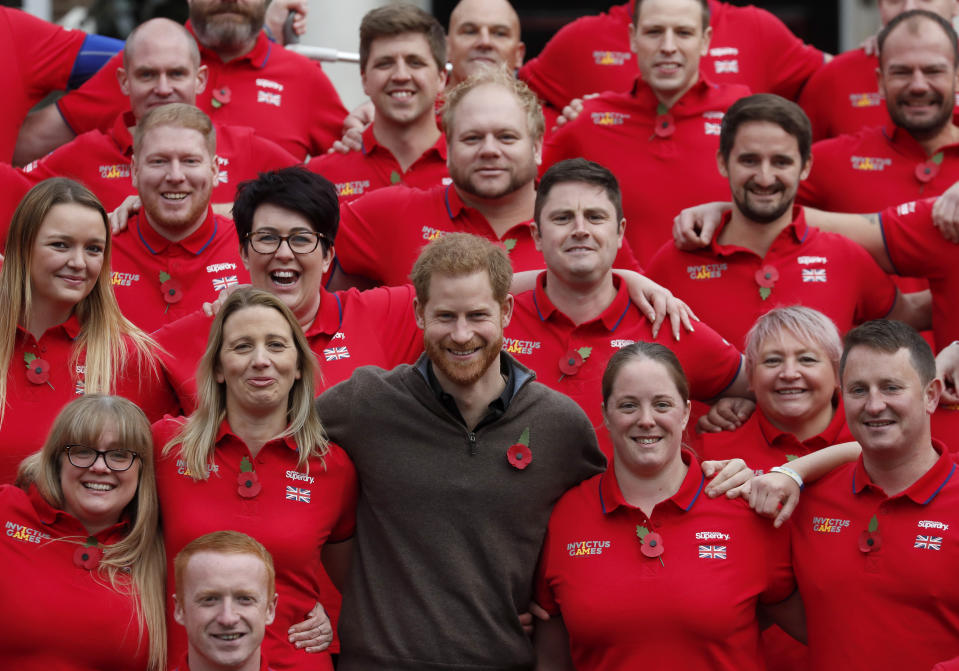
{"type": "Point", "coordinates": [928, 542]}
{"type": "Point", "coordinates": [336, 353]}
{"type": "Point", "coordinates": [297, 494]}
{"type": "Point", "coordinates": [813, 274]}
{"type": "Point", "coordinates": [712, 551]}
{"type": "Point", "coordinates": [221, 283]}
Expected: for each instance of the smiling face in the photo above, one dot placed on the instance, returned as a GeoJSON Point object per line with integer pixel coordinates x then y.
{"type": "Point", "coordinates": [463, 328]}
{"type": "Point", "coordinates": [96, 496]}
{"type": "Point", "coordinates": [295, 279]}
{"type": "Point", "coordinates": [402, 79]}
{"type": "Point", "coordinates": [483, 33]}
{"type": "Point", "coordinates": [578, 233]}
{"type": "Point", "coordinates": [258, 361]}
{"type": "Point", "coordinates": [224, 605]}
{"type": "Point", "coordinates": [794, 383]}
{"type": "Point", "coordinates": [669, 41]}
{"type": "Point", "coordinates": [918, 77]}
{"type": "Point", "coordinates": [645, 415]}
{"type": "Point", "coordinates": [174, 173]}
{"type": "Point", "coordinates": [491, 153]}
{"type": "Point", "coordinates": [764, 170]}
{"type": "Point", "coordinates": [67, 258]}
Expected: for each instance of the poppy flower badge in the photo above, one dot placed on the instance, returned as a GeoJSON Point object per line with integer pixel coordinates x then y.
{"type": "Point", "coordinates": [171, 289]}
{"type": "Point", "coordinates": [869, 540]}
{"type": "Point", "coordinates": [88, 555]}
{"type": "Point", "coordinates": [247, 481]}
{"type": "Point", "coordinates": [38, 370]}
{"type": "Point", "coordinates": [664, 125]}
{"type": "Point", "coordinates": [651, 543]}
{"type": "Point", "coordinates": [927, 170]}
{"type": "Point", "coordinates": [766, 278]}
{"type": "Point", "coordinates": [221, 97]}
{"type": "Point", "coordinates": [573, 360]}
{"type": "Point", "coordinates": [519, 455]}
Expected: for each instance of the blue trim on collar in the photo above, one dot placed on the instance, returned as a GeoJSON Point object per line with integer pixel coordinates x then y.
{"type": "Point", "coordinates": [212, 235]}
{"type": "Point", "coordinates": [446, 198]}
{"type": "Point", "coordinates": [602, 504]}
{"type": "Point", "coordinates": [539, 313]}
{"type": "Point", "coordinates": [339, 306]}
{"type": "Point", "coordinates": [629, 303]}
{"type": "Point", "coordinates": [939, 488]}
{"type": "Point", "coordinates": [702, 480]}
{"type": "Point", "coordinates": [140, 235]}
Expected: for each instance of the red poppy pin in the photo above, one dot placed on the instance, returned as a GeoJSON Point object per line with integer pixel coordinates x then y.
{"type": "Point", "coordinates": [248, 484]}
{"type": "Point", "coordinates": [519, 454]}
{"type": "Point", "coordinates": [663, 126]}
{"type": "Point", "coordinates": [652, 543]}
{"type": "Point", "coordinates": [869, 540]}
{"type": "Point", "coordinates": [927, 170]}
{"type": "Point", "coordinates": [573, 360]}
{"type": "Point", "coordinates": [171, 290]}
{"type": "Point", "coordinates": [221, 97]}
{"type": "Point", "coordinates": [88, 555]}
{"type": "Point", "coordinates": [766, 279]}
{"type": "Point", "coordinates": [38, 370]}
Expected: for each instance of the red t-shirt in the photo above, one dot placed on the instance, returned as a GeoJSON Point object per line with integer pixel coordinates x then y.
{"type": "Point", "coordinates": [824, 271]}
{"type": "Point", "coordinates": [351, 329]}
{"type": "Point", "coordinates": [38, 58]}
{"type": "Point", "coordinates": [32, 407]}
{"type": "Point", "coordinates": [147, 268]}
{"type": "Point", "coordinates": [659, 175]}
{"type": "Point", "coordinates": [293, 515]}
{"type": "Point", "coordinates": [382, 233]}
{"type": "Point", "coordinates": [695, 602]}
{"type": "Point", "coordinates": [896, 607]}
{"type": "Point", "coordinates": [13, 187]}
{"type": "Point", "coordinates": [44, 590]}
{"type": "Point", "coordinates": [101, 161]}
{"type": "Point", "coordinates": [749, 46]}
{"type": "Point", "coordinates": [374, 167]}
{"type": "Point", "coordinates": [284, 96]}
{"type": "Point", "coordinates": [542, 338]}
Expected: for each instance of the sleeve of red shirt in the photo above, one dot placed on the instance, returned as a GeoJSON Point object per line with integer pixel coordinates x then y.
{"type": "Point", "coordinates": [914, 245]}
{"type": "Point", "coordinates": [789, 61]}
{"type": "Point", "coordinates": [817, 98]}
{"type": "Point", "coordinates": [346, 525]}
{"type": "Point", "coordinates": [96, 103]}
{"type": "Point", "coordinates": [391, 309]}
{"type": "Point", "coordinates": [548, 75]}
{"type": "Point", "coordinates": [877, 291]}
{"type": "Point", "coordinates": [46, 51]}
{"type": "Point", "coordinates": [813, 189]}
{"type": "Point", "coordinates": [146, 386]}
{"type": "Point", "coordinates": [710, 362]}
{"type": "Point", "coordinates": [268, 155]}
{"type": "Point", "coordinates": [782, 582]}
{"type": "Point", "coordinates": [328, 113]}
{"type": "Point", "coordinates": [13, 187]}
{"type": "Point", "coordinates": [564, 143]}
{"type": "Point", "coordinates": [362, 236]}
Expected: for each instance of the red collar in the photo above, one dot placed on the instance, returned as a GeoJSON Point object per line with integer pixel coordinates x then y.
{"type": "Point", "coordinates": [611, 497]}
{"type": "Point", "coordinates": [783, 439]}
{"type": "Point", "coordinates": [225, 431]}
{"type": "Point", "coordinates": [693, 102]}
{"type": "Point", "coordinates": [797, 228]}
{"type": "Point", "coordinates": [184, 664]}
{"type": "Point", "coordinates": [329, 317]}
{"type": "Point", "coordinates": [71, 327]}
{"type": "Point", "coordinates": [68, 524]}
{"type": "Point", "coordinates": [923, 490]}
{"type": "Point", "coordinates": [120, 132]}
{"type": "Point", "coordinates": [611, 316]}
{"type": "Point", "coordinates": [194, 243]}
{"type": "Point", "coordinates": [370, 144]}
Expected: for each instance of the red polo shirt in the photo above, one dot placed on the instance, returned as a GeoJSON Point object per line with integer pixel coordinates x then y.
{"type": "Point", "coordinates": [697, 601]}
{"type": "Point", "coordinates": [44, 588]}
{"type": "Point", "coordinates": [351, 329]}
{"type": "Point", "coordinates": [541, 337]}
{"type": "Point", "coordinates": [199, 266]}
{"type": "Point", "coordinates": [284, 96]}
{"type": "Point", "coordinates": [917, 249]}
{"type": "Point", "coordinates": [659, 175]}
{"type": "Point", "coordinates": [824, 271]}
{"type": "Point", "coordinates": [374, 167]}
{"type": "Point", "coordinates": [38, 58]}
{"type": "Point", "coordinates": [749, 46]}
{"type": "Point", "coordinates": [896, 607]}
{"type": "Point", "coordinates": [762, 446]}
{"type": "Point", "coordinates": [101, 161]}
{"type": "Point", "coordinates": [13, 187]}
{"type": "Point", "coordinates": [31, 407]}
{"type": "Point", "coordinates": [381, 234]}
{"type": "Point", "coordinates": [293, 515]}
{"type": "Point", "coordinates": [184, 664]}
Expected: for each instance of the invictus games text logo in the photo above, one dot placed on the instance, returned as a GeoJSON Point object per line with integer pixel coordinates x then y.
{"type": "Point", "coordinates": [580, 548]}
{"type": "Point", "coordinates": [707, 271]}
{"type": "Point", "coordinates": [828, 525]}
{"type": "Point", "coordinates": [608, 118]}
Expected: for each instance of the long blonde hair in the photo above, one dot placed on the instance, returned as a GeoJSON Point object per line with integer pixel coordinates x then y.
{"type": "Point", "coordinates": [104, 331]}
{"type": "Point", "coordinates": [197, 436]}
{"type": "Point", "coordinates": [140, 552]}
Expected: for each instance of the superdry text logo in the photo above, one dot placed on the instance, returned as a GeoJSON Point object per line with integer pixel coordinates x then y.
{"type": "Point", "coordinates": [829, 525]}
{"type": "Point", "coordinates": [514, 346]}
{"type": "Point", "coordinates": [217, 267]}
{"type": "Point", "coordinates": [711, 536]}
{"type": "Point", "coordinates": [25, 534]}
{"type": "Point", "coordinates": [806, 260]}
{"type": "Point", "coordinates": [300, 477]}
{"type": "Point", "coordinates": [611, 57]}
{"type": "Point", "coordinates": [580, 548]}
{"type": "Point", "coordinates": [620, 344]}
{"type": "Point", "coordinates": [707, 271]}
{"type": "Point", "coordinates": [929, 524]}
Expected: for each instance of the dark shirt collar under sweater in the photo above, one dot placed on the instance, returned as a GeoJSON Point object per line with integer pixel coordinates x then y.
{"type": "Point", "coordinates": [497, 407]}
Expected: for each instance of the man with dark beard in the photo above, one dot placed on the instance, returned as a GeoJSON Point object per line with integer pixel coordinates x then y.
{"type": "Point", "coordinates": [494, 137]}
{"type": "Point", "coordinates": [252, 82]}
{"type": "Point", "coordinates": [764, 254]}
{"type": "Point", "coordinates": [460, 457]}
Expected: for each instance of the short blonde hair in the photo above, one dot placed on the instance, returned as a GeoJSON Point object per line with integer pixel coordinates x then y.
{"type": "Point", "coordinates": [805, 324]}
{"type": "Point", "coordinates": [497, 76]}
{"type": "Point", "coordinates": [177, 115]}
{"type": "Point", "coordinates": [226, 542]}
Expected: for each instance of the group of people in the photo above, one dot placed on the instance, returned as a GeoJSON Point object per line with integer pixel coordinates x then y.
{"type": "Point", "coordinates": [423, 394]}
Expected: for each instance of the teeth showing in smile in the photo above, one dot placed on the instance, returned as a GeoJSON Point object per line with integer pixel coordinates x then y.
{"type": "Point", "coordinates": [401, 94]}
{"type": "Point", "coordinates": [790, 391]}
{"type": "Point", "coordinates": [98, 486]}
{"type": "Point", "coordinates": [647, 441]}
{"type": "Point", "coordinates": [283, 277]}
{"type": "Point", "coordinates": [466, 352]}
{"type": "Point", "coordinates": [879, 423]}
{"type": "Point", "coordinates": [227, 637]}
{"type": "Point", "coordinates": [174, 196]}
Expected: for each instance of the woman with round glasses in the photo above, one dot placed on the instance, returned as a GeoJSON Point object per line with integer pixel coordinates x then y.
{"type": "Point", "coordinates": [640, 569]}
{"type": "Point", "coordinates": [253, 457]}
{"type": "Point", "coordinates": [61, 332]}
{"type": "Point", "coordinates": [81, 564]}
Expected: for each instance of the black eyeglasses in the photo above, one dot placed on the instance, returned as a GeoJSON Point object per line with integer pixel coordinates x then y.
{"type": "Point", "coordinates": [301, 242]}
{"type": "Point", "coordinates": [82, 456]}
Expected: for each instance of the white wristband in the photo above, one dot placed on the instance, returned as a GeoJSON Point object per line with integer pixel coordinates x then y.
{"type": "Point", "coordinates": [790, 473]}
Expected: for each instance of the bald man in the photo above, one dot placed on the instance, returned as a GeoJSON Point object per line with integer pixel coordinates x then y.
{"type": "Point", "coordinates": [483, 33]}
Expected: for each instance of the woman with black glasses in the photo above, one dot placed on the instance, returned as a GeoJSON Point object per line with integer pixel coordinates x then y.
{"type": "Point", "coordinates": [81, 560]}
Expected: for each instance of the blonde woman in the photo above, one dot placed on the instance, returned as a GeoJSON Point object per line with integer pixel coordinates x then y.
{"type": "Point", "coordinates": [254, 458]}
{"type": "Point", "coordinates": [61, 332]}
{"type": "Point", "coordinates": [83, 562]}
